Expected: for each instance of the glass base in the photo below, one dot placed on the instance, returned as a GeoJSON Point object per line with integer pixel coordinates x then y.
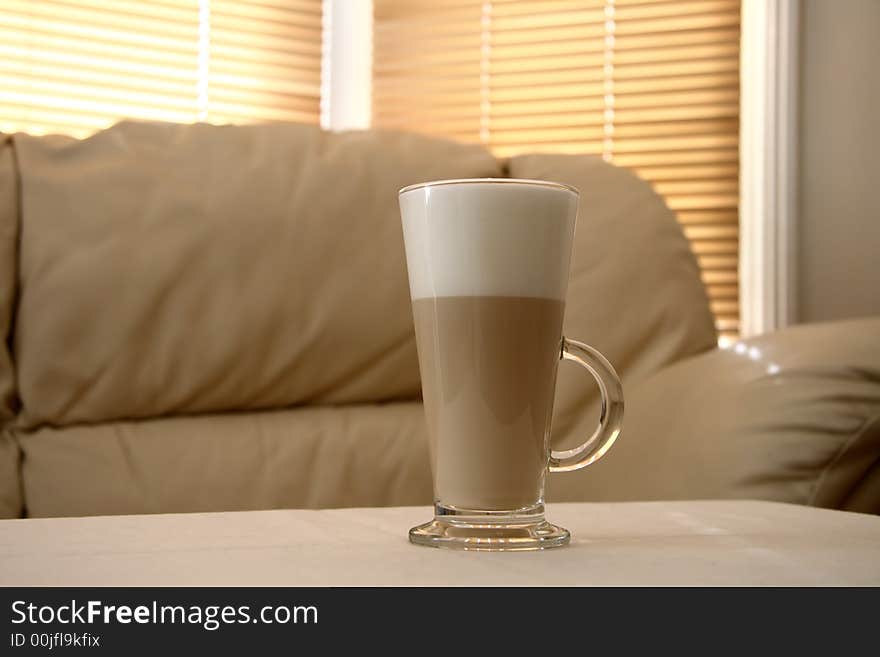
{"type": "Point", "coordinates": [491, 531]}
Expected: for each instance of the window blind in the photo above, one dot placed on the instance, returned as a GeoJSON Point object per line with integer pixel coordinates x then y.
{"type": "Point", "coordinates": [76, 66]}
{"type": "Point", "coordinates": [652, 85]}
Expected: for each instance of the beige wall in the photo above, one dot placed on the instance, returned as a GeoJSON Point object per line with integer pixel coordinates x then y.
{"type": "Point", "coordinates": [839, 190]}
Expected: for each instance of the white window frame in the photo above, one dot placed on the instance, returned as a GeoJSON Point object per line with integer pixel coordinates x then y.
{"type": "Point", "coordinates": [768, 165]}
{"type": "Point", "coordinates": [347, 65]}
{"type": "Point", "coordinates": [768, 140]}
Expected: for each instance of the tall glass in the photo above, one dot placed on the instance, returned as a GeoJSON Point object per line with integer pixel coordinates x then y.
{"type": "Point", "coordinates": [488, 263]}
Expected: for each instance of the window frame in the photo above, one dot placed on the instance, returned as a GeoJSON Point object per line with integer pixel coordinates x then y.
{"type": "Point", "coordinates": [769, 59]}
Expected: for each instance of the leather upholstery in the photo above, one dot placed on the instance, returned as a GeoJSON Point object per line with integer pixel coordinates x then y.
{"type": "Point", "coordinates": [169, 269]}
{"type": "Point", "coordinates": [311, 457]}
{"type": "Point", "coordinates": [217, 318]}
{"type": "Point", "coordinates": [791, 416]}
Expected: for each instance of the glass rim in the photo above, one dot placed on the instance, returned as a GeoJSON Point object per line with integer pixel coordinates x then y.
{"type": "Point", "coordinates": [473, 181]}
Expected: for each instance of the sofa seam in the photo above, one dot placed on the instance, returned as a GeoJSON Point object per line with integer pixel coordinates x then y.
{"type": "Point", "coordinates": [843, 449]}
{"type": "Point", "coordinates": [19, 466]}
{"type": "Point", "coordinates": [15, 297]}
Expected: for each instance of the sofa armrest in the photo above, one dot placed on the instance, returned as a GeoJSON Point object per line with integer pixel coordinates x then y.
{"type": "Point", "coordinates": [791, 416]}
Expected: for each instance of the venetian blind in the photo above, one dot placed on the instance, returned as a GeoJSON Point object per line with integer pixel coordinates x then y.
{"type": "Point", "coordinates": [648, 84]}
{"type": "Point", "coordinates": [75, 66]}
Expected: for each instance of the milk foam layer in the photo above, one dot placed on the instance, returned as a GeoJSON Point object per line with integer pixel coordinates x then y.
{"type": "Point", "coordinates": [476, 238]}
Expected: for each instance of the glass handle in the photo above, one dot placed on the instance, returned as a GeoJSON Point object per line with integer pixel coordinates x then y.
{"type": "Point", "coordinates": [610, 416]}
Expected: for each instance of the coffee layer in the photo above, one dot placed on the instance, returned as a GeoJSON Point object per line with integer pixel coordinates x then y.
{"type": "Point", "coordinates": [488, 367]}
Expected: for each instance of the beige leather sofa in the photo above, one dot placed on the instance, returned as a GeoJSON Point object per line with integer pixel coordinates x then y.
{"type": "Point", "coordinates": [214, 318]}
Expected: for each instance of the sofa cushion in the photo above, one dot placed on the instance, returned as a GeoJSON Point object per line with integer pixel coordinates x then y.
{"type": "Point", "coordinates": [171, 269]}
{"type": "Point", "coordinates": [791, 416]}
{"type": "Point", "coordinates": [635, 291]}
{"type": "Point", "coordinates": [358, 455]}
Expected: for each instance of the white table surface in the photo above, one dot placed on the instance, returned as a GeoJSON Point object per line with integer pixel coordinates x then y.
{"type": "Point", "coordinates": [650, 543]}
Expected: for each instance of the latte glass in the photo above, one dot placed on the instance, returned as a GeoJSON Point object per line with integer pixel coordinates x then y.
{"type": "Point", "coordinates": [488, 263]}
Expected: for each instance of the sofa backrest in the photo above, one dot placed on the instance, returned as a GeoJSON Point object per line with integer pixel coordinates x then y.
{"type": "Point", "coordinates": [176, 269]}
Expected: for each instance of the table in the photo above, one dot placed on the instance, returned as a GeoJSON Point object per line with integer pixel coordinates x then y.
{"type": "Point", "coordinates": [644, 543]}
